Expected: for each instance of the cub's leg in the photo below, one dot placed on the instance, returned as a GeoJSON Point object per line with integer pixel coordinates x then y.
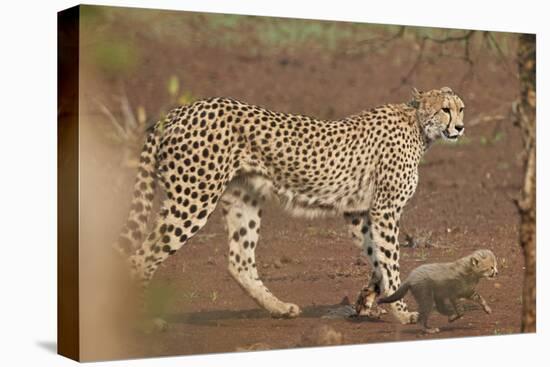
{"type": "Point", "coordinates": [424, 299]}
{"type": "Point", "coordinates": [241, 207]}
{"type": "Point", "coordinates": [380, 231]}
{"type": "Point", "coordinates": [442, 307]}
{"type": "Point", "coordinates": [458, 311]}
{"type": "Point", "coordinates": [476, 297]}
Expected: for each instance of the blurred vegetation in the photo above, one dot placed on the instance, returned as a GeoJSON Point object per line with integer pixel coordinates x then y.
{"type": "Point", "coordinates": [128, 122]}
{"type": "Point", "coordinates": [116, 57]}
{"type": "Point", "coordinates": [159, 298]}
{"type": "Point", "coordinates": [118, 40]}
{"type": "Point", "coordinates": [261, 34]}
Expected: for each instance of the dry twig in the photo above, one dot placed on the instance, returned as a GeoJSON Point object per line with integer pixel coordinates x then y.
{"type": "Point", "coordinates": [466, 37]}
{"type": "Point", "coordinates": [374, 44]}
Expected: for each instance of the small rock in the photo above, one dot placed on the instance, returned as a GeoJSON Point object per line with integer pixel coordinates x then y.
{"type": "Point", "coordinates": [150, 326]}
{"type": "Point", "coordinates": [360, 261]}
{"type": "Point", "coordinates": [284, 61]}
{"type": "Point", "coordinates": [498, 285]}
{"type": "Point", "coordinates": [278, 264]}
{"type": "Point", "coordinates": [321, 336]}
{"type": "Point", "coordinates": [160, 324]}
{"type": "Point", "coordinates": [266, 265]}
{"type": "Point", "coordinates": [341, 312]}
{"type": "Point", "coordinates": [211, 261]}
{"type": "Point", "coordinates": [285, 259]}
{"type": "Point", "coordinates": [410, 241]}
{"type": "Point", "coordinates": [255, 346]}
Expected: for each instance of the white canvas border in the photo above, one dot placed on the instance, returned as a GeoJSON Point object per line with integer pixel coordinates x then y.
{"type": "Point", "coordinates": [28, 156]}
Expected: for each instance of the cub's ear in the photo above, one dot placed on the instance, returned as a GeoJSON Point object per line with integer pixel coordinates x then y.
{"type": "Point", "coordinates": [474, 261]}
{"type": "Point", "coordinates": [447, 90]}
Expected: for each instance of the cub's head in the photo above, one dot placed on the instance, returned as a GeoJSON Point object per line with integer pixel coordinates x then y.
{"type": "Point", "coordinates": [484, 263]}
{"type": "Point", "coordinates": [439, 112]}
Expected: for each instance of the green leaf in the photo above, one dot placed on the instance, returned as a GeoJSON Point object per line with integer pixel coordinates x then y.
{"type": "Point", "coordinates": [173, 85]}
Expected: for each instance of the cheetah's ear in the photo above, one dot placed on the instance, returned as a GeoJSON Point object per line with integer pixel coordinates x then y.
{"type": "Point", "coordinates": [416, 94]}
{"type": "Point", "coordinates": [447, 90]}
{"type": "Point", "coordinates": [474, 261]}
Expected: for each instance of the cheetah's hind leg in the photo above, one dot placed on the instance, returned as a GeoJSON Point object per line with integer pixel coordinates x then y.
{"type": "Point", "coordinates": [176, 223]}
{"type": "Point", "coordinates": [241, 207]}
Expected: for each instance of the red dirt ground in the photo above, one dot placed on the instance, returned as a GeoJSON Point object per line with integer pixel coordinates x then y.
{"type": "Point", "coordinates": [463, 201]}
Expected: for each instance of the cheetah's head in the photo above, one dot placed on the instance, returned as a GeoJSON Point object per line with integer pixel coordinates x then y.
{"type": "Point", "coordinates": [440, 113]}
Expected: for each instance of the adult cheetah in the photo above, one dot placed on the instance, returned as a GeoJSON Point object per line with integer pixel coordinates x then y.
{"type": "Point", "coordinates": [364, 167]}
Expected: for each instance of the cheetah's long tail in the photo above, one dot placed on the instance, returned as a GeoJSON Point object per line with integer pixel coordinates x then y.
{"type": "Point", "coordinates": [399, 293]}
{"type": "Point", "coordinates": [134, 230]}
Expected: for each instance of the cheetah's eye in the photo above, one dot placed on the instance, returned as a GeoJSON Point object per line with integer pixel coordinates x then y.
{"type": "Point", "coordinates": [446, 109]}
{"type": "Point", "coordinates": [461, 109]}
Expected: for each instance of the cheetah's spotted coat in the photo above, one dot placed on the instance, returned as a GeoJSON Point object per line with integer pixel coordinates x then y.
{"type": "Point", "coordinates": [222, 151]}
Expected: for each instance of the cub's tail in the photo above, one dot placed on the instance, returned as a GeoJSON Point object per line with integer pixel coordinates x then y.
{"type": "Point", "coordinates": [399, 293]}
{"type": "Point", "coordinates": [133, 232]}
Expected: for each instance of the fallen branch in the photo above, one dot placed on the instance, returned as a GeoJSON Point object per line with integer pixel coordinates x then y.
{"type": "Point", "coordinates": [485, 118]}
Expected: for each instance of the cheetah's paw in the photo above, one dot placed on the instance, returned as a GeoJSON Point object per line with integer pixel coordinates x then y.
{"type": "Point", "coordinates": [371, 313]}
{"type": "Point", "coordinates": [406, 317]}
{"type": "Point", "coordinates": [287, 311]}
{"type": "Point", "coordinates": [413, 318]}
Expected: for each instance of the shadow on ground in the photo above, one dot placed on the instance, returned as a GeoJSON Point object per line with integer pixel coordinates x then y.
{"type": "Point", "coordinates": [212, 317]}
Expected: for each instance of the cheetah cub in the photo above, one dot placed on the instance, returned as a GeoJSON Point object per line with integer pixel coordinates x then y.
{"type": "Point", "coordinates": [436, 283]}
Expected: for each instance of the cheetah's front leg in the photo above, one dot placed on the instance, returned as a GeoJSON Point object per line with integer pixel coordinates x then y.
{"type": "Point", "coordinates": [358, 224]}
{"type": "Point", "coordinates": [382, 249]}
